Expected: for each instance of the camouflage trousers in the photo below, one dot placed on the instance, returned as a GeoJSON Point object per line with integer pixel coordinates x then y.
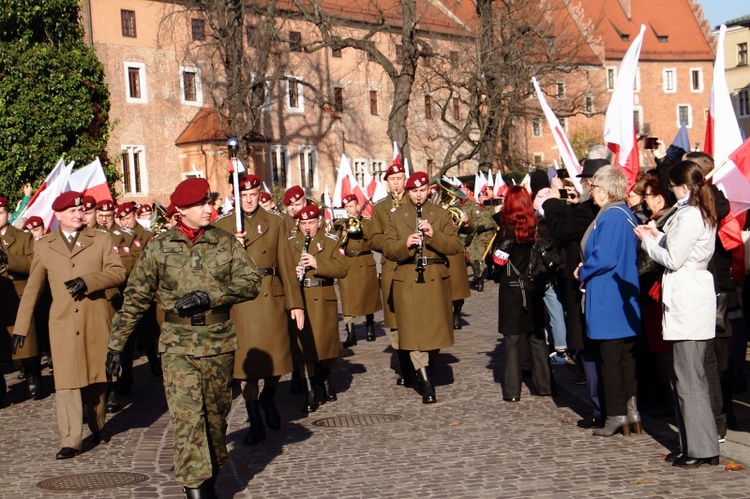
{"type": "Point", "coordinates": [199, 396]}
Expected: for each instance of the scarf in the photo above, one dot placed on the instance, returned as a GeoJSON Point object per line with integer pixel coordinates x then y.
{"type": "Point", "coordinates": [191, 234]}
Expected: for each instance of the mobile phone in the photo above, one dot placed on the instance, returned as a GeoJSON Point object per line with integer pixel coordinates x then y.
{"type": "Point", "coordinates": [563, 193]}
{"type": "Point", "coordinates": [651, 142]}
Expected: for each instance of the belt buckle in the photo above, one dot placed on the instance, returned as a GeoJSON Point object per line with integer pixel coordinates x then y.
{"type": "Point", "coordinates": [423, 260]}
{"type": "Point", "coordinates": [198, 320]}
{"type": "Point", "coordinates": [306, 283]}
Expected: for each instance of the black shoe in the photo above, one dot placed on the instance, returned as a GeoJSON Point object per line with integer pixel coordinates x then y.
{"type": "Point", "coordinates": [512, 399]}
{"type": "Point", "coordinates": [101, 436]}
{"type": "Point", "coordinates": [257, 432]}
{"type": "Point", "coordinates": [589, 423]}
{"type": "Point", "coordinates": [351, 336]}
{"type": "Point", "coordinates": [370, 328]}
{"type": "Point", "coordinates": [694, 462]}
{"type": "Point", "coordinates": [266, 400]}
{"type": "Point", "coordinates": [428, 390]}
{"type": "Point", "coordinates": [311, 404]}
{"type": "Point", "coordinates": [324, 381]}
{"type": "Point", "coordinates": [67, 453]}
{"type": "Point", "coordinates": [34, 386]}
{"type": "Point", "coordinates": [457, 319]}
{"type": "Point", "coordinates": [672, 456]}
{"type": "Point", "coordinates": [113, 400]}
{"type": "Point", "coordinates": [407, 369]}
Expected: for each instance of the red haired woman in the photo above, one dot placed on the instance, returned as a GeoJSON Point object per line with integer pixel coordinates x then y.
{"type": "Point", "coordinates": [520, 303]}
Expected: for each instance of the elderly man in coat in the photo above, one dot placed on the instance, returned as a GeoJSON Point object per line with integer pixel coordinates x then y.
{"type": "Point", "coordinates": [80, 264]}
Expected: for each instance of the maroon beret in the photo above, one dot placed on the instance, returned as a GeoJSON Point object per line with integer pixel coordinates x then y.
{"type": "Point", "coordinates": [3, 202]}
{"type": "Point", "coordinates": [171, 211]}
{"type": "Point", "coordinates": [89, 203]}
{"type": "Point", "coordinates": [67, 200]}
{"type": "Point", "coordinates": [417, 179]}
{"type": "Point", "coordinates": [145, 207]}
{"type": "Point", "coordinates": [265, 197]}
{"type": "Point", "coordinates": [349, 198]}
{"type": "Point", "coordinates": [309, 212]}
{"type": "Point", "coordinates": [293, 194]}
{"type": "Point", "coordinates": [394, 168]}
{"type": "Point", "coordinates": [125, 209]}
{"type": "Point", "coordinates": [105, 205]}
{"type": "Point", "coordinates": [33, 223]}
{"type": "Point", "coordinates": [190, 192]}
{"type": "Point", "coordinates": [248, 182]}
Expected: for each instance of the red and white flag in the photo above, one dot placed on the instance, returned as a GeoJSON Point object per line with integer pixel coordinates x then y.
{"type": "Point", "coordinates": [347, 184]}
{"type": "Point", "coordinates": [90, 180]}
{"type": "Point", "coordinates": [619, 126]}
{"type": "Point", "coordinates": [370, 187]}
{"type": "Point", "coordinates": [722, 131]}
{"type": "Point", "coordinates": [479, 184]}
{"type": "Point", "coordinates": [733, 177]}
{"type": "Point", "coordinates": [500, 186]}
{"type": "Point", "coordinates": [396, 154]}
{"type": "Point", "coordinates": [328, 214]}
{"type": "Point", "coordinates": [41, 204]}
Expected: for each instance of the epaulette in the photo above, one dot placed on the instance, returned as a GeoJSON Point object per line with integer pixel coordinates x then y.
{"type": "Point", "coordinates": [332, 237]}
{"type": "Point", "coordinates": [127, 231]}
{"type": "Point", "coordinates": [275, 213]}
{"type": "Point", "coordinates": [116, 232]}
{"type": "Point", "coordinates": [378, 202]}
{"type": "Point", "coordinates": [160, 235]}
{"type": "Point", "coordinates": [292, 237]}
{"type": "Point", "coordinates": [225, 215]}
{"type": "Point", "coordinates": [103, 231]}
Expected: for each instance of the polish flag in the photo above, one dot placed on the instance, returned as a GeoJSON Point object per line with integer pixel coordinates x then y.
{"type": "Point", "coordinates": [41, 204]}
{"type": "Point", "coordinates": [265, 188]}
{"type": "Point", "coordinates": [406, 168]}
{"type": "Point", "coordinates": [722, 131]}
{"type": "Point", "coordinates": [396, 154]}
{"type": "Point", "coordinates": [90, 180]}
{"type": "Point", "coordinates": [619, 127]}
{"type": "Point", "coordinates": [733, 177]}
{"type": "Point", "coordinates": [53, 175]}
{"type": "Point", "coordinates": [500, 186]}
{"type": "Point", "coordinates": [371, 185]}
{"type": "Point", "coordinates": [347, 184]}
{"type": "Point", "coordinates": [327, 213]}
{"type": "Point", "coordinates": [526, 182]}
{"type": "Point", "coordinates": [490, 182]}
{"type": "Point", "coordinates": [479, 184]}
{"type": "Point", "coordinates": [381, 192]}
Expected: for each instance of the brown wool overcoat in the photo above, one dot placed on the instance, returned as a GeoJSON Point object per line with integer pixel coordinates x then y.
{"type": "Point", "coordinates": [360, 290]}
{"type": "Point", "coordinates": [381, 213]}
{"type": "Point", "coordinates": [20, 249]}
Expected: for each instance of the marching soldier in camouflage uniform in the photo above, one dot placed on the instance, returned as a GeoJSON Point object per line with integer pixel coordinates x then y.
{"type": "Point", "coordinates": [360, 293]}
{"type": "Point", "coordinates": [459, 275]}
{"type": "Point", "coordinates": [196, 272]}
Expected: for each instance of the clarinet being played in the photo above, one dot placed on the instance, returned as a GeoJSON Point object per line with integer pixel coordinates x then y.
{"type": "Point", "coordinates": [420, 246]}
{"type": "Point", "coordinates": [301, 261]}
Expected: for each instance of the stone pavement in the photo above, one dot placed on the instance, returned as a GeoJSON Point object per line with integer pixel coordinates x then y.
{"type": "Point", "coordinates": [384, 442]}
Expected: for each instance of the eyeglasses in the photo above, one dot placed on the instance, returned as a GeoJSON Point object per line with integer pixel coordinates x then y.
{"type": "Point", "coordinates": [593, 186]}
{"type": "Point", "coordinates": [648, 194]}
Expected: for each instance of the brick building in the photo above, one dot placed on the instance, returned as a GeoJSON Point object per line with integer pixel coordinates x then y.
{"type": "Point", "coordinates": [737, 69]}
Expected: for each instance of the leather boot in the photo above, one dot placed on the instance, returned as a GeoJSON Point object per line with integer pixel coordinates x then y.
{"type": "Point", "coordinates": [457, 316]}
{"type": "Point", "coordinates": [311, 404]}
{"type": "Point", "coordinates": [407, 369]}
{"type": "Point", "coordinates": [370, 327]}
{"type": "Point", "coordinates": [113, 399]}
{"type": "Point", "coordinates": [351, 337]}
{"type": "Point", "coordinates": [634, 417]}
{"type": "Point", "coordinates": [267, 403]}
{"type": "Point", "coordinates": [324, 381]}
{"type": "Point", "coordinates": [256, 433]}
{"type": "Point", "coordinates": [428, 390]}
{"type": "Point", "coordinates": [211, 488]}
{"type": "Point", "coordinates": [34, 385]}
{"type": "Point", "coordinates": [612, 425]}
{"type": "Point", "coordinates": [296, 385]}
{"type": "Point", "coordinates": [197, 493]}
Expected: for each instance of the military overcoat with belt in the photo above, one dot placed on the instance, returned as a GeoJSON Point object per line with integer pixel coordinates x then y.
{"type": "Point", "coordinates": [381, 213]}
{"type": "Point", "coordinates": [19, 246]}
{"type": "Point", "coordinates": [360, 290]}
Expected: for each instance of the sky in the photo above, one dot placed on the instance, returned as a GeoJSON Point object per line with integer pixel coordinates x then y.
{"type": "Point", "coordinates": [719, 11]}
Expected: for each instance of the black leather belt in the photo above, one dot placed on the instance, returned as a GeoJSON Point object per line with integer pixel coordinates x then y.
{"type": "Point", "coordinates": [431, 261]}
{"type": "Point", "coordinates": [208, 319]}
{"type": "Point", "coordinates": [358, 253]}
{"type": "Point", "coordinates": [314, 283]}
{"type": "Point", "coordinates": [267, 270]}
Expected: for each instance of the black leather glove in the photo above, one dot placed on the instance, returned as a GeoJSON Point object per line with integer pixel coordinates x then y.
{"type": "Point", "coordinates": [76, 287]}
{"type": "Point", "coordinates": [192, 301]}
{"type": "Point", "coordinates": [3, 257]}
{"type": "Point", "coordinates": [112, 365]}
{"type": "Point", "coordinates": [17, 341]}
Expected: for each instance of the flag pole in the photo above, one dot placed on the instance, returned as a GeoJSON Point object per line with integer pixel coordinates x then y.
{"type": "Point", "coordinates": [233, 145]}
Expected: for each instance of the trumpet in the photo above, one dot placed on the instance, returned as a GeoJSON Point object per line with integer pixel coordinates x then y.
{"type": "Point", "coordinates": [420, 247]}
{"type": "Point", "coordinates": [301, 263]}
{"type": "Point", "coordinates": [159, 219]}
{"type": "Point", "coordinates": [448, 199]}
{"type": "Point", "coordinates": [351, 226]}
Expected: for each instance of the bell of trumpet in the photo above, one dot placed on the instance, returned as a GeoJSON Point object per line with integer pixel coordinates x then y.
{"type": "Point", "coordinates": [448, 198]}
{"type": "Point", "coordinates": [159, 219]}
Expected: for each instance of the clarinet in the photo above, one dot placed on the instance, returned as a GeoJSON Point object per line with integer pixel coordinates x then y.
{"type": "Point", "coordinates": [304, 250]}
{"type": "Point", "coordinates": [420, 247]}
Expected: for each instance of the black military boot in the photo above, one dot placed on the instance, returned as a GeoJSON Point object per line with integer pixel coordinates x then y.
{"type": "Point", "coordinates": [428, 391]}
{"type": "Point", "coordinates": [370, 327]}
{"type": "Point", "coordinates": [34, 384]}
{"type": "Point", "coordinates": [267, 403]}
{"type": "Point", "coordinates": [296, 385]}
{"type": "Point", "coordinates": [323, 376]}
{"type": "Point", "coordinates": [256, 433]}
{"type": "Point", "coordinates": [211, 488]}
{"type": "Point", "coordinates": [311, 404]}
{"type": "Point", "coordinates": [113, 399]}
{"type": "Point", "coordinates": [407, 369]}
{"type": "Point", "coordinates": [201, 492]}
{"type": "Point", "coordinates": [351, 337]}
{"type": "Point", "coordinates": [457, 315]}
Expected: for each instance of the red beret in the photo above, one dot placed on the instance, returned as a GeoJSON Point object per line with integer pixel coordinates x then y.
{"type": "Point", "coordinates": [33, 222]}
{"type": "Point", "coordinates": [89, 203]}
{"type": "Point", "coordinates": [145, 207]}
{"type": "Point", "coordinates": [67, 200]}
{"type": "Point", "coordinates": [190, 192]}
{"type": "Point", "coordinates": [171, 211]}
{"type": "Point", "coordinates": [125, 209]}
{"type": "Point", "coordinates": [3, 202]}
{"type": "Point", "coordinates": [417, 179]}
{"type": "Point", "coordinates": [105, 205]}
{"type": "Point", "coordinates": [349, 199]}
{"type": "Point", "coordinates": [464, 185]}
{"type": "Point", "coordinates": [309, 212]}
{"type": "Point", "coordinates": [265, 197]}
{"type": "Point", "coordinates": [248, 182]}
{"type": "Point", "coordinates": [394, 168]}
{"type": "Point", "coordinates": [293, 194]}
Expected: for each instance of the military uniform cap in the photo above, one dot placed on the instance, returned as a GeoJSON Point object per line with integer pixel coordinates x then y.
{"type": "Point", "coordinates": [67, 200]}
{"type": "Point", "coordinates": [89, 203]}
{"type": "Point", "coordinates": [171, 210]}
{"type": "Point", "coordinates": [418, 179]}
{"type": "Point", "coordinates": [265, 197]}
{"type": "Point", "coordinates": [125, 209]}
{"type": "Point", "coordinates": [394, 168]}
{"type": "Point", "coordinates": [105, 205]}
{"type": "Point", "coordinates": [33, 223]}
{"type": "Point", "coordinates": [309, 212]}
{"type": "Point", "coordinates": [190, 192]}
{"type": "Point", "coordinates": [145, 207]}
{"type": "Point", "coordinates": [248, 182]}
{"type": "Point", "coordinates": [349, 199]}
{"type": "Point", "coordinates": [293, 194]}
{"type": "Point", "coordinates": [3, 202]}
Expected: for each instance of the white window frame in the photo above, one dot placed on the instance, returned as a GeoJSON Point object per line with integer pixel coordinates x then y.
{"type": "Point", "coordinates": [198, 86]}
{"type": "Point", "coordinates": [313, 152]}
{"type": "Point", "coordinates": [131, 150]}
{"type": "Point", "coordinates": [143, 99]}
{"type": "Point", "coordinates": [586, 98]}
{"type": "Point", "coordinates": [664, 85]}
{"type": "Point", "coordinates": [275, 149]}
{"type": "Point", "coordinates": [700, 80]}
{"type": "Point", "coordinates": [564, 123]}
{"type": "Point", "coordinates": [637, 80]}
{"type": "Point", "coordinates": [378, 167]}
{"type": "Point", "coordinates": [541, 128]}
{"type": "Point", "coordinates": [740, 100]}
{"type": "Point", "coordinates": [613, 70]}
{"type": "Point", "coordinates": [300, 94]}
{"type": "Point", "coordinates": [689, 124]}
{"type": "Point", "coordinates": [193, 174]}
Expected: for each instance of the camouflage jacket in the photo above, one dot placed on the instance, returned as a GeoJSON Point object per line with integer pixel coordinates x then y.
{"type": "Point", "coordinates": [169, 268]}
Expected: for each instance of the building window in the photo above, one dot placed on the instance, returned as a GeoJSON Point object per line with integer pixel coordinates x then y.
{"type": "Point", "coordinates": [536, 127]}
{"type": "Point", "coordinates": [741, 54]}
{"type": "Point", "coordinates": [373, 102]}
{"type": "Point", "coordinates": [456, 108]}
{"type": "Point", "coordinates": [589, 104]}
{"type": "Point", "coordinates": [427, 107]}
{"type": "Point", "coordinates": [336, 52]}
{"type": "Point", "coordinates": [696, 80]}
{"type": "Point", "coordinates": [538, 158]}
{"type": "Point", "coordinates": [295, 41]}
{"type": "Point", "coordinates": [338, 99]}
{"type": "Point", "coordinates": [611, 78]}
{"type": "Point", "coordinates": [744, 102]}
{"type": "Point", "coordinates": [669, 85]}
{"type": "Point", "coordinates": [360, 166]}
{"type": "Point", "coordinates": [198, 29]}
{"type": "Point", "coordinates": [134, 177]}
{"type": "Point", "coordinates": [454, 59]}
{"type": "Point", "coordinates": [192, 93]}
{"type": "Point", "coordinates": [684, 115]}
{"type": "Point", "coordinates": [278, 165]}
{"type": "Point", "coordinates": [135, 83]}
{"type": "Point", "coordinates": [399, 53]}
{"type": "Point", "coordinates": [251, 32]}
{"type": "Point", "coordinates": [127, 18]}
{"type": "Point", "coordinates": [560, 90]}
{"type": "Point", "coordinates": [295, 96]}
{"type": "Point", "coordinates": [378, 168]}
{"type": "Point", "coordinates": [307, 166]}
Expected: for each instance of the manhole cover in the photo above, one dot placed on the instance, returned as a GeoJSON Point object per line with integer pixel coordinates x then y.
{"type": "Point", "coordinates": [92, 481]}
{"type": "Point", "coordinates": [356, 420]}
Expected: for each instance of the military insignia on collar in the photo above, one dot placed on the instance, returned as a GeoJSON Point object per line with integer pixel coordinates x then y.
{"type": "Point", "coordinates": [5, 242]}
{"type": "Point", "coordinates": [393, 209]}
{"type": "Point", "coordinates": [320, 247]}
{"type": "Point", "coordinates": [260, 229]}
{"type": "Point", "coordinates": [79, 244]}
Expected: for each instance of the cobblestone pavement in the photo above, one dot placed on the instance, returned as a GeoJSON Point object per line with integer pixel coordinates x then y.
{"type": "Point", "coordinates": [469, 444]}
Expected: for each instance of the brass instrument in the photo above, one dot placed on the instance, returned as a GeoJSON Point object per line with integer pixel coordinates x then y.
{"type": "Point", "coordinates": [398, 201]}
{"type": "Point", "coordinates": [448, 199]}
{"type": "Point", "coordinates": [347, 227]}
{"type": "Point", "coordinates": [158, 219]}
{"type": "Point", "coordinates": [420, 247]}
{"type": "Point", "coordinates": [304, 250]}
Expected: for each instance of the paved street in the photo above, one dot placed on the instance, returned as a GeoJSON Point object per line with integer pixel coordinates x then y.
{"type": "Point", "coordinates": [383, 441]}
